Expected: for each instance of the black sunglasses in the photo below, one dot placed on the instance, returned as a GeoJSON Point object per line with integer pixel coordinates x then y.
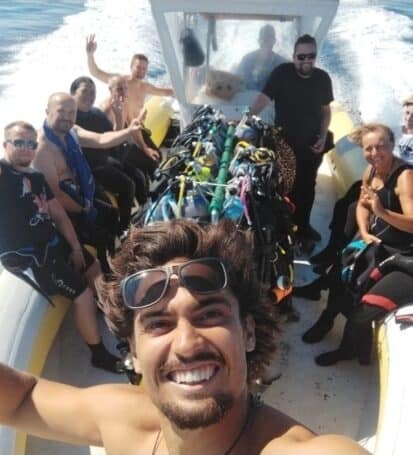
{"type": "Point", "coordinates": [21, 143]}
{"type": "Point", "coordinates": [147, 287]}
{"type": "Point", "coordinates": [310, 56]}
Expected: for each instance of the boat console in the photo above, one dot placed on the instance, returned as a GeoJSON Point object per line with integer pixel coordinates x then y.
{"type": "Point", "coordinates": [203, 44]}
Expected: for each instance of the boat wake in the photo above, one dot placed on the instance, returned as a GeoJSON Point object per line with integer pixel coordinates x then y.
{"type": "Point", "coordinates": [367, 52]}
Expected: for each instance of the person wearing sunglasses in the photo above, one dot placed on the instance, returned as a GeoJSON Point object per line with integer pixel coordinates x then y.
{"type": "Point", "coordinates": [302, 94]}
{"type": "Point", "coordinates": [138, 89]}
{"type": "Point", "coordinates": [36, 234]}
{"type": "Point", "coordinates": [201, 329]}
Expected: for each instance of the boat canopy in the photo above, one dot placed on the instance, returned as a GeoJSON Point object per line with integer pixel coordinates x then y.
{"type": "Point", "coordinates": [203, 43]}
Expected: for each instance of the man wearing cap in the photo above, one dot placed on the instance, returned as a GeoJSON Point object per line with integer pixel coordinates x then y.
{"type": "Point", "coordinates": [256, 66]}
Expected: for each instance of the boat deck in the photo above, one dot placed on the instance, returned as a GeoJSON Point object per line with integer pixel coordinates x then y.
{"type": "Point", "coordinates": [339, 399]}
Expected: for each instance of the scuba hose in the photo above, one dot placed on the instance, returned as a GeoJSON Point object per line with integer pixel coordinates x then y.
{"type": "Point", "coordinates": [182, 181]}
{"type": "Point", "coordinates": [217, 201]}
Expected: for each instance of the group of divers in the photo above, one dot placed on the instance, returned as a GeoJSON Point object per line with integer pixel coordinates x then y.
{"type": "Point", "coordinates": [92, 176]}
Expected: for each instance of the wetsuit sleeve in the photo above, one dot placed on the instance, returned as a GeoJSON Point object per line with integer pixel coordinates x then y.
{"type": "Point", "coordinates": [48, 191]}
{"type": "Point", "coordinates": [106, 123]}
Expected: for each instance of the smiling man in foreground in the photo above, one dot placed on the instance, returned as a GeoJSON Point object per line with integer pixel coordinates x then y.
{"type": "Point", "coordinates": [201, 330]}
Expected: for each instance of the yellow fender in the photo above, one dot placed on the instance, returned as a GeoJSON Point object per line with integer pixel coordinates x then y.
{"type": "Point", "coordinates": [158, 118]}
{"type": "Point", "coordinates": [346, 159]}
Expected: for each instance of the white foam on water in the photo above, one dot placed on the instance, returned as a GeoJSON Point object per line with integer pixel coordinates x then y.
{"type": "Point", "coordinates": [375, 46]}
{"type": "Point", "coordinates": [52, 62]}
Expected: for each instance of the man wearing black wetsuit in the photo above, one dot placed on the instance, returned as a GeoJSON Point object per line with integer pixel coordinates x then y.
{"type": "Point", "coordinates": [36, 234]}
{"type": "Point", "coordinates": [106, 170]}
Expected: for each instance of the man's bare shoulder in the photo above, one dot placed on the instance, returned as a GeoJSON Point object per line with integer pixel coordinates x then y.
{"type": "Point", "coordinates": [275, 424]}
{"type": "Point", "coordinates": [279, 433]}
{"type": "Point", "coordinates": [330, 444]}
{"type": "Point", "coordinates": [45, 153]}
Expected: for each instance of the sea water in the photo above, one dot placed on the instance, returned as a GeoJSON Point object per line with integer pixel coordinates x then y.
{"type": "Point", "coordinates": [42, 49]}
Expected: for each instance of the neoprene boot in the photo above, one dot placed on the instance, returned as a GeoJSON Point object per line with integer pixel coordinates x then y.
{"type": "Point", "coordinates": [320, 329]}
{"type": "Point", "coordinates": [356, 342]}
{"type": "Point", "coordinates": [311, 291]}
{"type": "Point", "coordinates": [324, 259]}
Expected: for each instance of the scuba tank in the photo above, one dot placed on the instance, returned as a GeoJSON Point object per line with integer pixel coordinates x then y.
{"type": "Point", "coordinates": [233, 208]}
{"type": "Point", "coordinates": [195, 205]}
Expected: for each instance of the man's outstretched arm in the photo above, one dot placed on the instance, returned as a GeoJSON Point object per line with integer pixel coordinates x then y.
{"type": "Point", "coordinates": [259, 103]}
{"type": "Point", "coordinates": [14, 389]}
{"type": "Point", "coordinates": [160, 91]}
{"type": "Point", "coordinates": [108, 139]}
{"type": "Point", "coordinates": [94, 70]}
{"type": "Point", "coordinates": [46, 409]}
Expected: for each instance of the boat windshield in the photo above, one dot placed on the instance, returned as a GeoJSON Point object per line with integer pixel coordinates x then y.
{"type": "Point", "coordinates": [211, 53]}
{"type": "Point", "coordinates": [208, 47]}
{"type": "Point", "coordinates": [209, 50]}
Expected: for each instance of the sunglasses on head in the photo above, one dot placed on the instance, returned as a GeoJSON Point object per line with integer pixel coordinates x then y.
{"type": "Point", "coordinates": [147, 287]}
{"type": "Point", "coordinates": [310, 56]}
{"type": "Point", "coordinates": [21, 143]}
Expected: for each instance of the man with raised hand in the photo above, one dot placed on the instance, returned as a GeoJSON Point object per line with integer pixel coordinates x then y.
{"type": "Point", "coordinates": [138, 90]}
{"type": "Point", "coordinates": [201, 330]}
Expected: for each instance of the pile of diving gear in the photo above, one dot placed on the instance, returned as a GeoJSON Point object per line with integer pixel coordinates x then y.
{"type": "Point", "coordinates": [218, 169]}
{"type": "Point", "coordinates": [242, 171]}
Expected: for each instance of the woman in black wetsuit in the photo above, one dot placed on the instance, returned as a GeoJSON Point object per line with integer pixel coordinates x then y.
{"type": "Point", "coordinates": [384, 215]}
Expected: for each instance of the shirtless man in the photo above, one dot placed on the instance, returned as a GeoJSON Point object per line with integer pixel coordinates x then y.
{"type": "Point", "coordinates": [60, 134]}
{"type": "Point", "coordinates": [138, 88]}
{"type": "Point", "coordinates": [200, 332]}
{"type": "Point", "coordinates": [49, 159]}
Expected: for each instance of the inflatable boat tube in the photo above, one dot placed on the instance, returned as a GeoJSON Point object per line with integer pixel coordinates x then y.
{"type": "Point", "coordinates": [395, 341]}
{"type": "Point", "coordinates": [28, 326]}
{"type": "Point", "coordinates": [346, 159]}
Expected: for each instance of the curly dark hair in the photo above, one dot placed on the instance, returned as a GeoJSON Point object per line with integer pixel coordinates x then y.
{"type": "Point", "coordinates": [159, 243]}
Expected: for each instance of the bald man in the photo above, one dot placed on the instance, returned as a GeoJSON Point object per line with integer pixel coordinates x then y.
{"type": "Point", "coordinates": [59, 157]}
{"type": "Point", "coordinates": [256, 66]}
